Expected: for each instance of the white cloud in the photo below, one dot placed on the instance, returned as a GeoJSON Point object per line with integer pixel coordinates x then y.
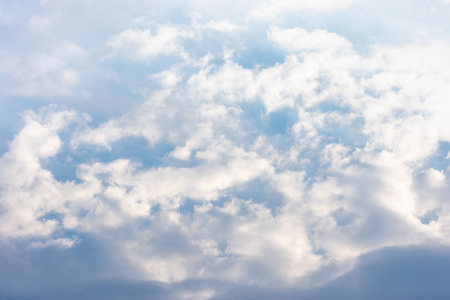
{"type": "Point", "coordinates": [60, 243]}
{"type": "Point", "coordinates": [142, 45]}
{"type": "Point", "coordinates": [134, 189]}
{"type": "Point", "coordinates": [265, 174]}
{"type": "Point", "coordinates": [333, 207]}
{"type": "Point", "coordinates": [298, 39]}
{"type": "Point", "coordinates": [168, 79]}
{"type": "Point", "coordinates": [29, 192]}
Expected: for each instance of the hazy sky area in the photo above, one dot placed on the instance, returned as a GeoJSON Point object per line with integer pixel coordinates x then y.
{"type": "Point", "coordinates": [249, 150]}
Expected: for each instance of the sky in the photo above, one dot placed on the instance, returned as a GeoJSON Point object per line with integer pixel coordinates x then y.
{"type": "Point", "coordinates": [224, 149]}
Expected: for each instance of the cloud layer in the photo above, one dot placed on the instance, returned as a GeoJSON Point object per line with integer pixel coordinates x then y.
{"type": "Point", "coordinates": [183, 153]}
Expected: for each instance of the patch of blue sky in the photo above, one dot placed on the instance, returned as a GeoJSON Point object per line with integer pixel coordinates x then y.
{"type": "Point", "coordinates": [145, 222]}
{"type": "Point", "coordinates": [125, 81]}
{"type": "Point", "coordinates": [260, 191]}
{"type": "Point", "coordinates": [88, 259]}
{"type": "Point", "coordinates": [440, 160]}
{"type": "Point", "coordinates": [208, 43]}
{"type": "Point", "coordinates": [256, 121]}
{"type": "Point", "coordinates": [64, 165]}
{"type": "Point", "coordinates": [280, 121]}
{"type": "Point", "coordinates": [344, 217]}
{"type": "Point", "coordinates": [331, 106]}
{"type": "Point", "coordinates": [106, 99]}
{"type": "Point", "coordinates": [128, 70]}
{"type": "Point", "coordinates": [138, 150]}
{"type": "Point", "coordinates": [52, 215]}
{"type": "Point", "coordinates": [258, 52]}
{"type": "Point", "coordinates": [430, 217]}
{"type": "Point", "coordinates": [252, 115]}
{"type": "Point", "coordinates": [348, 134]}
{"type": "Point", "coordinates": [187, 206]}
{"type": "Point", "coordinates": [311, 164]}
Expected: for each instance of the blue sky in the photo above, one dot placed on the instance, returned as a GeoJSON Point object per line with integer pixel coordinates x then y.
{"type": "Point", "coordinates": [224, 150]}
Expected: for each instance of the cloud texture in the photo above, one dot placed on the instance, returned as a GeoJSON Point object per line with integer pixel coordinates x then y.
{"type": "Point", "coordinates": [203, 150]}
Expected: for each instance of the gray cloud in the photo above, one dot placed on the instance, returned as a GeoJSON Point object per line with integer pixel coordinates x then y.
{"type": "Point", "coordinates": [390, 273]}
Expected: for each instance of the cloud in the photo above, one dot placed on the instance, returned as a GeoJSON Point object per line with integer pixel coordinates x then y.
{"type": "Point", "coordinates": [392, 273]}
{"type": "Point", "coordinates": [358, 199]}
{"type": "Point", "coordinates": [61, 243]}
{"type": "Point", "coordinates": [141, 44]}
{"type": "Point", "coordinates": [298, 39]}
{"type": "Point", "coordinates": [211, 153]}
{"type": "Point", "coordinates": [30, 194]}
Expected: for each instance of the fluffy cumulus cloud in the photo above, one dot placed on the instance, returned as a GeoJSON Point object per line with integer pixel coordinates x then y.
{"type": "Point", "coordinates": [200, 150]}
